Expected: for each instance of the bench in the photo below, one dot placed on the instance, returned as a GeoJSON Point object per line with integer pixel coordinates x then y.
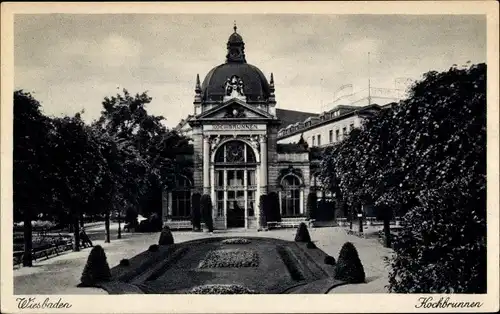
{"type": "Point", "coordinates": [47, 253]}
{"type": "Point", "coordinates": [292, 222]}
{"type": "Point", "coordinates": [273, 224]}
{"type": "Point", "coordinates": [341, 221]}
{"type": "Point", "coordinates": [179, 224]}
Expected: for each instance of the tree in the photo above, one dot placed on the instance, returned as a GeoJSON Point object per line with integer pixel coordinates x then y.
{"type": "Point", "coordinates": [148, 148]}
{"type": "Point", "coordinates": [76, 170]}
{"type": "Point", "coordinates": [444, 184]}
{"type": "Point", "coordinates": [426, 153]}
{"type": "Point", "coordinates": [30, 164]}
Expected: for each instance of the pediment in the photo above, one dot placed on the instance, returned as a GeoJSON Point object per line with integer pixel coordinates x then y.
{"type": "Point", "coordinates": [235, 109]}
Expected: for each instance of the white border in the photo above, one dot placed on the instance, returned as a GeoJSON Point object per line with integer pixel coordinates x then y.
{"type": "Point", "coordinates": [348, 303]}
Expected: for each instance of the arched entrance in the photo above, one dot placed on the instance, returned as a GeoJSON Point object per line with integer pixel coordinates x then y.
{"type": "Point", "coordinates": [291, 196]}
{"type": "Point", "coordinates": [181, 199]}
{"type": "Point", "coordinates": [235, 183]}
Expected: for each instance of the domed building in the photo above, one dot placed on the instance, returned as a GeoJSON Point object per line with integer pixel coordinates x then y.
{"type": "Point", "coordinates": [236, 158]}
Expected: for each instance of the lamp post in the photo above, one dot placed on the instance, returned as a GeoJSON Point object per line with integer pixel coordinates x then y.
{"type": "Point", "coordinates": [360, 216]}
{"type": "Point", "coordinates": [119, 224]}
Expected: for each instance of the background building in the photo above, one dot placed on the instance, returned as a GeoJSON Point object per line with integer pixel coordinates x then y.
{"type": "Point", "coordinates": [244, 147]}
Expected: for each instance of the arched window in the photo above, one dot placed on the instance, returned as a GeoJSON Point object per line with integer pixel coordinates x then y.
{"type": "Point", "coordinates": [290, 196]}
{"type": "Point", "coordinates": [235, 152]}
{"type": "Point", "coordinates": [181, 198]}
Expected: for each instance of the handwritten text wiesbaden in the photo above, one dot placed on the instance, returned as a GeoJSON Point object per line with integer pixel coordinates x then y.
{"type": "Point", "coordinates": [33, 303]}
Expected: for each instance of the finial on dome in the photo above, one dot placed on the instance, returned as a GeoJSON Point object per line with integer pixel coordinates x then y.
{"type": "Point", "coordinates": [272, 79]}
{"type": "Point", "coordinates": [197, 88]}
{"type": "Point", "coordinates": [235, 27]}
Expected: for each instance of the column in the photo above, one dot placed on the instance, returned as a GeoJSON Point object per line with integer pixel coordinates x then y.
{"type": "Point", "coordinates": [245, 180]}
{"type": "Point", "coordinates": [281, 205]}
{"type": "Point", "coordinates": [164, 205]}
{"type": "Point", "coordinates": [263, 171]}
{"type": "Point", "coordinates": [169, 208]}
{"type": "Point", "coordinates": [224, 205]}
{"type": "Point", "coordinates": [263, 164]}
{"type": "Point", "coordinates": [301, 201]}
{"type": "Point", "coordinates": [257, 195]}
{"type": "Point", "coordinates": [206, 165]}
{"type": "Point", "coordinates": [212, 195]}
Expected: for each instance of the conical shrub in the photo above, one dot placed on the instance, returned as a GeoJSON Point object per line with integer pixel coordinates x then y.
{"type": "Point", "coordinates": [166, 237]}
{"type": "Point", "coordinates": [329, 260]}
{"type": "Point", "coordinates": [302, 234]}
{"type": "Point", "coordinates": [195, 211]}
{"type": "Point", "coordinates": [349, 267]}
{"type": "Point", "coordinates": [206, 211]}
{"type": "Point", "coordinates": [311, 245]}
{"type": "Point", "coordinates": [97, 269]}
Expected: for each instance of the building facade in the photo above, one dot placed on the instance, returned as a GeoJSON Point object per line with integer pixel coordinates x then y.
{"type": "Point", "coordinates": [244, 147]}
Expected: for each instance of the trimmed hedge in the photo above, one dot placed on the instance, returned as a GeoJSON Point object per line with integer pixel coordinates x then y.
{"type": "Point", "coordinates": [166, 237]}
{"type": "Point", "coordinates": [290, 263]}
{"type": "Point", "coordinates": [206, 210]}
{"type": "Point", "coordinates": [312, 203]}
{"type": "Point", "coordinates": [329, 260]}
{"type": "Point", "coordinates": [96, 269]}
{"type": "Point", "coordinates": [274, 213]}
{"type": "Point", "coordinates": [302, 234]}
{"type": "Point", "coordinates": [153, 248]}
{"type": "Point", "coordinates": [196, 211]}
{"type": "Point", "coordinates": [311, 245]}
{"type": "Point", "coordinates": [124, 262]}
{"type": "Point", "coordinates": [349, 267]}
{"type": "Point", "coordinates": [263, 209]}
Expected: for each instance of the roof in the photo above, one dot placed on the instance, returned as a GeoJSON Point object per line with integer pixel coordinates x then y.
{"type": "Point", "coordinates": [316, 122]}
{"type": "Point", "coordinates": [255, 84]}
{"type": "Point", "coordinates": [183, 122]}
{"type": "Point", "coordinates": [291, 148]}
{"type": "Point", "coordinates": [289, 117]}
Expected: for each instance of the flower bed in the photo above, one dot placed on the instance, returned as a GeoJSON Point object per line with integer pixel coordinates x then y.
{"type": "Point", "coordinates": [221, 289]}
{"type": "Point", "coordinates": [236, 241]}
{"type": "Point", "coordinates": [230, 258]}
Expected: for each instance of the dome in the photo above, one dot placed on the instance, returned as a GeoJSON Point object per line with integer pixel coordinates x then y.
{"type": "Point", "coordinates": [255, 85]}
{"type": "Point", "coordinates": [235, 38]}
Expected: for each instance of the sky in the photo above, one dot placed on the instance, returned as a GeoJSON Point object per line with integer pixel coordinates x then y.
{"type": "Point", "coordinates": [71, 62]}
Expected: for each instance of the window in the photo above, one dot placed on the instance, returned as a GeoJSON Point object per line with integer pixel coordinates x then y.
{"type": "Point", "coordinates": [330, 136]}
{"type": "Point", "coordinates": [290, 196]}
{"type": "Point", "coordinates": [251, 203]}
{"type": "Point", "coordinates": [313, 142]}
{"type": "Point", "coordinates": [235, 178]}
{"type": "Point", "coordinates": [219, 179]}
{"type": "Point", "coordinates": [235, 152]}
{"type": "Point", "coordinates": [220, 203]}
{"type": "Point", "coordinates": [319, 140]}
{"type": "Point", "coordinates": [351, 127]}
{"type": "Point", "coordinates": [251, 178]}
{"type": "Point", "coordinates": [181, 198]}
{"type": "Point", "coordinates": [344, 132]}
{"type": "Point", "coordinates": [337, 135]}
